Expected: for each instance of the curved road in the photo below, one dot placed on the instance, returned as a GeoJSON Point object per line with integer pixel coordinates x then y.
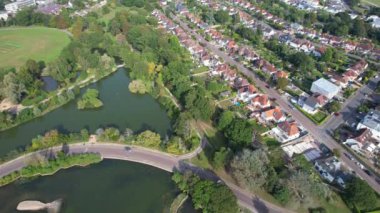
{"type": "Point", "coordinates": [154, 158]}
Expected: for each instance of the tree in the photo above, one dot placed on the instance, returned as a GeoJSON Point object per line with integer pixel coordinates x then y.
{"type": "Point", "coordinates": [222, 17]}
{"type": "Point", "coordinates": [336, 152]}
{"type": "Point", "coordinates": [225, 119]}
{"type": "Point", "coordinates": [334, 106]}
{"type": "Point", "coordinates": [239, 133]}
{"type": "Point", "coordinates": [360, 194]}
{"type": "Point", "coordinates": [282, 83]}
{"type": "Point", "coordinates": [206, 195]}
{"type": "Point", "coordinates": [250, 168]}
{"type": "Point", "coordinates": [11, 88]}
{"type": "Point", "coordinates": [222, 157]}
{"type": "Point", "coordinates": [149, 139]}
{"type": "Point", "coordinates": [328, 55]}
{"type": "Point", "coordinates": [359, 27]}
{"type": "Point", "coordinates": [304, 188]}
{"type": "Point", "coordinates": [137, 86]}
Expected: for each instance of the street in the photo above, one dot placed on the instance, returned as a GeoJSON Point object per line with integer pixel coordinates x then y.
{"type": "Point", "coordinates": [318, 133]}
{"type": "Point", "coordinates": [154, 158]}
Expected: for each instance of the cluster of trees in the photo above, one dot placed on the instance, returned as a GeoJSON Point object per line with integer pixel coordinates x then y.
{"type": "Point", "coordinates": [158, 60]}
{"type": "Point", "coordinates": [26, 81]}
{"type": "Point", "coordinates": [255, 169]}
{"type": "Point", "coordinates": [206, 195]}
{"type": "Point", "coordinates": [54, 138]}
{"type": "Point", "coordinates": [90, 100]}
{"type": "Point", "coordinates": [359, 195]}
{"type": "Point", "coordinates": [29, 16]}
{"type": "Point", "coordinates": [43, 165]}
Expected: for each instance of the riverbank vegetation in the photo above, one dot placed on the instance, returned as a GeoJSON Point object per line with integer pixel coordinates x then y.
{"type": "Point", "coordinates": [42, 165]}
{"type": "Point", "coordinates": [206, 195]}
{"type": "Point", "coordinates": [87, 58]}
{"type": "Point", "coordinates": [90, 100]}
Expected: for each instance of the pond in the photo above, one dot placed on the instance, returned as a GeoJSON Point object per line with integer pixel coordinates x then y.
{"type": "Point", "coordinates": [121, 109]}
{"type": "Point", "coordinates": [110, 186]}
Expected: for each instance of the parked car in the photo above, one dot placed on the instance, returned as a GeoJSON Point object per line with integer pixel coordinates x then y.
{"type": "Point", "coordinates": [348, 155]}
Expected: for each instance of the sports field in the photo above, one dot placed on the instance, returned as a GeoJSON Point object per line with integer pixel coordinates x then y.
{"type": "Point", "coordinates": [20, 44]}
{"type": "Point", "coordinates": [375, 3]}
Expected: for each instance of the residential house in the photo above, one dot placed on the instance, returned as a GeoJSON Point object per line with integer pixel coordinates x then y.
{"type": "Point", "coordinates": [274, 114]}
{"type": "Point", "coordinates": [362, 142]}
{"type": "Point", "coordinates": [328, 168]}
{"type": "Point", "coordinates": [286, 131]}
{"type": "Point", "coordinates": [259, 101]}
{"type": "Point", "coordinates": [247, 93]}
{"type": "Point", "coordinates": [372, 122]}
{"type": "Point", "coordinates": [325, 88]}
{"type": "Point", "coordinates": [313, 103]}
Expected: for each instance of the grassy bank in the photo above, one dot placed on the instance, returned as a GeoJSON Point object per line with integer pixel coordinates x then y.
{"type": "Point", "coordinates": [49, 167]}
{"type": "Point", "coordinates": [177, 202]}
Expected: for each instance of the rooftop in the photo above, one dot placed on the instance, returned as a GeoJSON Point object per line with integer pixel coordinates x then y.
{"type": "Point", "coordinates": [326, 85]}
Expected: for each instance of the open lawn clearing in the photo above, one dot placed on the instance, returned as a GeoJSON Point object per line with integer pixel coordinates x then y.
{"type": "Point", "coordinates": [375, 3]}
{"type": "Point", "coordinates": [17, 45]}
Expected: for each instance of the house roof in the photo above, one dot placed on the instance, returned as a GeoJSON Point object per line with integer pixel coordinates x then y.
{"type": "Point", "coordinates": [290, 128]}
{"type": "Point", "coordinates": [363, 135]}
{"type": "Point", "coordinates": [261, 99]}
{"type": "Point", "coordinates": [275, 112]}
{"type": "Point", "coordinates": [281, 74]}
{"type": "Point", "coordinates": [326, 85]}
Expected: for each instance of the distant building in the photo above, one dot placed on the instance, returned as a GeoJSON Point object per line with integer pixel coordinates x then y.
{"type": "Point", "coordinates": [325, 88]}
{"type": "Point", "coordinates": [362, 142]}
{"type": "Point", "coordinates": [313, 103]}
{"type": "Point", "coordinates": [3, 15]}
{"type": "Point", "coordinates": [372, 122]}
{"type": "Point", "coordinates": [375, 21]}
{"type": "Point", "coordinates": [18, 5]}
{"type": "Point", "coordinates": [286, 131]}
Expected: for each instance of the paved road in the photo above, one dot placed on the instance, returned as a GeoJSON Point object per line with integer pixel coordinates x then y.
{"type": "Point", "coordinates": [150, 157]}
{"type": "Point", "coordinates": [318, 133]}
{"type": "Point", "coordinates": [348, 113]}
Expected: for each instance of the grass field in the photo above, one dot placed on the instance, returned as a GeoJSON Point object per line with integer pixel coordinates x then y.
{"type": "Point", "coordinates": [375, 3]}
{"type": "Point", "coordinates": [20, 44]}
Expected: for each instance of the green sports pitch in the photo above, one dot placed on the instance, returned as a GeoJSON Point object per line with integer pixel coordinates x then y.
{"type": "Point", "coordinates": [17, 45]}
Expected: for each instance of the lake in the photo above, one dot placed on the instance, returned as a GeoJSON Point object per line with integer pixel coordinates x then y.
{"type": "Point", "coordinates": [121, 109]}
{"type": "Point", "coordinates": [111, 186]}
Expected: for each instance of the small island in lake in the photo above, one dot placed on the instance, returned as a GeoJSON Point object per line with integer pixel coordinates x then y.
{"type": "Point", "coordinates": [90, 100]}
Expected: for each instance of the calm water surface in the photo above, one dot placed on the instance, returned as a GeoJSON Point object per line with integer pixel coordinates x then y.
{"type": "Point", "coordinates": [111, 186]}
{"type": "Point", "coordinates": [121, 109]}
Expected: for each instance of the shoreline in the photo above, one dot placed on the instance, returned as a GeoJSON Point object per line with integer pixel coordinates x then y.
{"type": "Point", "coordinates": [80, 85]}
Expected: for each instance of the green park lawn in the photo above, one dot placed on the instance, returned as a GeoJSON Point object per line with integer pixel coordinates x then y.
{"type": "Point", "coordinates": [372, 2]}
{"type": "Point", "coordinates": [17, 45]}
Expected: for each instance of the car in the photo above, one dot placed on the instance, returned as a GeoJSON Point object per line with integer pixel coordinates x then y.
{"type": "Point", "coordinates": [348, 156]}
{"type": "Point", "coordinates": [336, 113]}
{"type": "Point", "coordinates": [291, 106]}
{"type": "Point", "coordinates": [367, 172]}
{"type": "Point", "coordinates": [377, 180]}
{"type": "Point", "coordinates": [267, 86]}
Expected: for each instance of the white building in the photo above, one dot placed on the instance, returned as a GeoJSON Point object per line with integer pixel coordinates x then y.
{"type": "Point", "coordinates": [3, 15]}
{"type": "Point", "coordinates": [372, 122]}
{"type": "Point", "coordinates": [325, 88]}
{"type": "Point", "coordinates": [18, 5]}
{"type": "Point", "coordinates": [375, 21]}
